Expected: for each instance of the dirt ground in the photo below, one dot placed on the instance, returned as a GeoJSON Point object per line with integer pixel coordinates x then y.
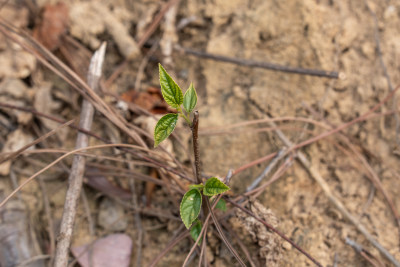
{"type": "Point", "coordinates": [360, 40]}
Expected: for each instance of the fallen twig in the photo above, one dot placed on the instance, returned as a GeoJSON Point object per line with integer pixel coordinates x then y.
{"type": "Point", "coordinates": [274, 230]}
{"type": "Point", "coordinates": [385, 72]}
{"type": "Point", "coordinates": [364, 253]}
{"type": "Point", "coordinates": [258, 64]}
{"type": "Point", "coordinates": [325, 187]}
{"type": "Point", "coordinates": [78, 165]}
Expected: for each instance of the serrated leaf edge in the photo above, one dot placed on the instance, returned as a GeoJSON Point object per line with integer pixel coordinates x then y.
{"type": "Point", "coordinates": [180, 208]}
{"type": "Point", "coordinates": [157, 142]}
{"type": "Point", "coordinates": [170, 100]}
{"type": "Point", "coordinates": [191, 107]}
{"type": "Point", "coordinates": [214, 194]}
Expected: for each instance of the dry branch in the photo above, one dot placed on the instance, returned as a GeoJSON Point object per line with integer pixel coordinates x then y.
{"type": "Point", "coordinates": [78, 165]}
{"type": "Point", "coordinates": [338, 204]}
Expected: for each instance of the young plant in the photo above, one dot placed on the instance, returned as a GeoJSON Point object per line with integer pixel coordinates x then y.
{"type": "Point", "coordinates": [192, 200]}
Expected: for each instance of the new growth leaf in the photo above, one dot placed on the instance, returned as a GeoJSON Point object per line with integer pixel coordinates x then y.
{"type": "Point", "coordinates": [164, 128]}
{"type": "Point", "coordinates": [171, 92]}
{"type": "Point", "coordinates": [190, 207]}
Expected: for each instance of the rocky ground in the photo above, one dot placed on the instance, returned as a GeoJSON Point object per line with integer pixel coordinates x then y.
{"type": "Point", "coordinates": [360, 40]}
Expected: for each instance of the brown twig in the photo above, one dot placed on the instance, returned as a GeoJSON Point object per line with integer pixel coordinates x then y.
{"type": "Point", "coordinates": [89, 133]}
{"type": "Point", "coordinates": [78, 165]}
{"type": "Point", "coordinates": [62, 70]}
{"type": "Point", "coordinates": [323, 135]}
{"type": "Point", "coordinates": [49, 218]}
{"type": "Point", "coordinates": [258, 64]}
{"type": "Point", "coordinates": [385, 72]}
{"type": "Point", "coordinates": [169, 246]}
{"type": "Point", "coordinates": [270, 227]}
{"type": "Point", "coordinates": [370, 172]}
{"type": "Point", "coordinates": [325, 187]}
{"type": "Point", "coordinates": [364, 253]}
{"type": "Point", "coordinates": [150, 30]}
{"type": "Point", "coordinates": [240, 243]}
{"type": "Point", "coordinates": [40, 139]}
{"type": "Point", "coordinates": [138, 220]}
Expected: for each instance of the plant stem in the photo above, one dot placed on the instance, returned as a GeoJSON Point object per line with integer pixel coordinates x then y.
{"type": "Point", "coordinates": [194, 126]}
{"type": "Point", "coordinates": [195, 129]}
{"type": "Point", "coordinates": [182, 114]}
{"type": "Point", "coordinates": [207, 208]}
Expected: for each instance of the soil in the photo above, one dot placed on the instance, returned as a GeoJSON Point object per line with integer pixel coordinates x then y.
{"type": "Point", "coordinates": [360, 40]}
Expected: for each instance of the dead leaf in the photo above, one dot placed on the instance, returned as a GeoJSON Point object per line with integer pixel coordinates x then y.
{"type": "Point", "coordinates": [52, 26]}
{"type": "Point", "coordinates": [113, 250]}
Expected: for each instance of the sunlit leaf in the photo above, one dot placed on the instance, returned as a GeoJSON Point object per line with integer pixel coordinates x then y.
{"type": "Point", "coordinates": [214, 187]}
{"type": "Point", "coordinates": [195, 230]}
{"type": "Point", "coordinates": [190, 207]}
{"type": "Point", "coordinates": [171, 92]}
{"type": "Point", "coordinates": [164, 128]}
{"type": "Point", "coordinates": [190, 99]}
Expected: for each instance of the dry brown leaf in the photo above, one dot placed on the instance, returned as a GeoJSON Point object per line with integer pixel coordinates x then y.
{"type": "Point", "coordinates": [52, 26]}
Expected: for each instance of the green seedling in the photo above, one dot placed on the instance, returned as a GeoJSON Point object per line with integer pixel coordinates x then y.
{"type": "Point", "coordinates": [191, 203]}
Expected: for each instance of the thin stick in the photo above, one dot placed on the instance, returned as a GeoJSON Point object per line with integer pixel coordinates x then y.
{"type": "Point", "coordinates": [323, 135]}
{"type": "Point", "coordinates": [13, 193]}
{"type": "Point", "coordinates": [40, 139]}
{"type": "Point", "coordinates": [170, 245]}
{"type": "Point", "coordinates": [258, 64]}
{"type": "Point", "coordinates": [49, 218]}
{"type": "Point", "coordinates": [371, 174]}
{"type": "Point", "coordinates": [325, 187]}
{"type": "Point", "coordinates": [89, 133]}
{"type": "Point", "coordinates": [267, 170]}
{"type": "Point", "coordinates": [78, 165]}
{"type": "Point", "coordinates": [364, 253]}
{"type": "Point", "coordinates": [270, 227]}
{"type": "Point", "coordinates": [138, 220]}
{"type": "Point", "coordinates": [240, 243]}
{"type": "Point", "coordinates": [203, 249]}
{"type": "Point", "coordinates": [385, 72]}
{"type": "Point", "coordinates": [149, 31]}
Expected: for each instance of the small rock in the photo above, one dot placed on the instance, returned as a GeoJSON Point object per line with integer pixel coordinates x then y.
{"type": "Point", "coordinates": [111, 216]}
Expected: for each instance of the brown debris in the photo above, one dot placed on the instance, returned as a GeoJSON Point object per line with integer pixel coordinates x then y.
{"type": "Point", "coordinates": [270, 243]}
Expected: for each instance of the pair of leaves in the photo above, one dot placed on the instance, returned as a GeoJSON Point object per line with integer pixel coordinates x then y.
{"type": "Point", "coordinates": [192, 200]}
{"type": "Point", "coordinates": [174, 97]}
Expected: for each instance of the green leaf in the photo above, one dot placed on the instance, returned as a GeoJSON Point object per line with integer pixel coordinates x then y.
{"type": "Point", "coordinates": [190, 99]}
{"type": "Point", "coordinates": [164, 128]}
{"type": "Point", "coordinates": [190, 207]}
{"type": "Point", "coordinates": [195, 230]}
{"type": "Point", "coordinates": [171, 92]}
{"type": "Point", "coordinates": [214, 187]}
{"type": "Point", "coordinates": [221, 205]}
{"type": "Point", "coordinates": [197, 186]}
